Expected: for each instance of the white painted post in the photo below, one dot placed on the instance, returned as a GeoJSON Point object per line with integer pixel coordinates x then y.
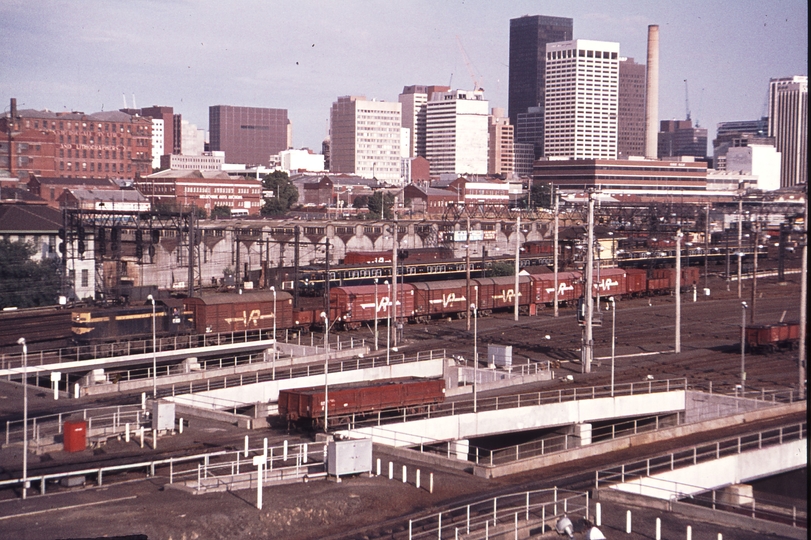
{"type": "Point", "coordinates": [720, 536]}
{"type": "Point", "coordinates": [658, 529]}
{"type": "Point", "coordinates": [246, 446]}
{"type": "Point", "coordinates": [378, 467]}
{"type": "Point", "coordinates": [285, 451]}
{"type": "Point", "coordinates": [181, 426]}
{"type": "Point", "coordinates": [431, 483]}
{"type": "Point", "coordinates": [154, 439]}
{"type": "Point", "coordinates": [305, 459]}
{"type": "Point", "coordinates": [127, 432]}
{"type": "Point", "coordinates": [598, 515]}
{"type": "Point", "coordinates": [405, 474]}
{"type": "Point", "coordinates": [391, 470]}
{"type": "Point", "coordinates": [75, 390]}
{"type": "Point", "coordinates": [142, 436]}
{"type": "Point", "coordinates": [418, 479]}
{"type": "Point", "coordinates": [265, 447]}
{"type": "Point", "coordinates": [628, 522]}
{"type": "Point", "coordinates": [259, 463]}
{"type": "Point", "coordinates": [143, 401]}
{"type": "Point", "coordinates": [689, 533]}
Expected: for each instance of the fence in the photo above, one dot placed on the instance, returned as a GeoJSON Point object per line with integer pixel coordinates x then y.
{"type": "Point", "coordinates": [48, 426]}
{"type": "Point", "coordinates": [501, 516]}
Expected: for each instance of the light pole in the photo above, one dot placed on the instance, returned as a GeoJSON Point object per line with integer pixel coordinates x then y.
{"type": "Point", "coordinates": [613, 340]}
{"type": "Point", "coordinates": [679, 236]}
{"type": "Point", "coordinates": [154, 353]}
{"type": "Point", "coordinates": [21, 341]}
{"type": "Point", "coordinates": [376, 308]}
{"type": "Point", "coordinates": [326, 370]}
{"type": "Point", "coordinates": [743, 347]}
{"type": "Point", "coordinates": [388, 320]}
{"type": "Point", "coordinates": [475, 354]}
{"type": "Point", "coordinates": [273, 290]}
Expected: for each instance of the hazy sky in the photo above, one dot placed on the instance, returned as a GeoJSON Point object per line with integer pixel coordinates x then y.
{"type": "Point", "coordinates": [301, 55]}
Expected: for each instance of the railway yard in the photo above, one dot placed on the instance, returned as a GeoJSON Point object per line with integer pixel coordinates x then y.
{"type": "Point", "coordinates": [140, 501]}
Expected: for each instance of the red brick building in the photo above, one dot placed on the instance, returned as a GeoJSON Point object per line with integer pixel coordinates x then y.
{"type": "Point", "coordinates": [202, 189]}
{"type": "Point", "coordinates": [50, 189]}
{"type": "Point", "coordinates": [74, 144]}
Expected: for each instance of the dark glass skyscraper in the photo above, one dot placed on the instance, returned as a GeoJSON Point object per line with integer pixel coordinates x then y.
{"type": "Point", "coordinates": [528, 38]}
{"type": "Point", "coordinates": [248, 135]}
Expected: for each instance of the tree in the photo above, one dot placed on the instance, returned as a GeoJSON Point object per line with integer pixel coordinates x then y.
{"type": "Point", "coordinates": [541, 195]}
{"type": "Point", "coordinates": [501, 269]}
{"type": "Point", "coordinates": [380, 205]}
{"type": "Point", "coordinates": [23, 282]}
{"type": "Point", "coordinates": [285, 194]}
{"type": "Point", "coordinates": [221, 212]}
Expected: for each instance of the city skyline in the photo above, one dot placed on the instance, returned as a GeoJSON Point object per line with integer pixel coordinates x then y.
{"type": "Point", "coordinates": [301, 57]}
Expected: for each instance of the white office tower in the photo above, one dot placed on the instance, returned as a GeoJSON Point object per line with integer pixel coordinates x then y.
{"type": "Point", "coordinates": [157, 142]}
{"type": "Point", "coordinates": [582, 96]}
{"type": "Point", "coordinates": [788, 124]}
{"type": "Point", "coordinates": [365, 138]}
{"type": "Point", "coordinates": [456, 132]}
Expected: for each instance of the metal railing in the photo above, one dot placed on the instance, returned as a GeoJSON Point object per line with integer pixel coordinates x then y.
{"type": "Point", "coordinates": [513, 401]}
{"type": "Point", "coordinates": [274, 373]}
{"type": "Point", "coordinates": [48, 426]}
{"type": "Point", "coordinates": [700, 453]}
{"type": "Point", "coordinates": [501, 517]}
{"type": "Point", "coordinates": [176, 469]}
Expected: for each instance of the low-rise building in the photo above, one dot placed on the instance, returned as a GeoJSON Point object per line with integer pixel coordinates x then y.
{"type": "Point", "coordinates": [202, 189]}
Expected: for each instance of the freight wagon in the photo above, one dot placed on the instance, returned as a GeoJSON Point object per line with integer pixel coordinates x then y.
{"type": "Point", "coordinates": [765, 338]}
{"type": "Point", "coordinates": [357, 304]}
{"type": "Point", "coordinates": [433, 299]}
{"type": "Point", "coordinates": [305, 406]}
{"type": "Point", "coordinates": [570, 288]}
{"type": "Point", "coordinates": [230, 312]}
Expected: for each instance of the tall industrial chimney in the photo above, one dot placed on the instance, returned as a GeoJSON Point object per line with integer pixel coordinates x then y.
{"type": "Point", "coordinates": [652, 93]}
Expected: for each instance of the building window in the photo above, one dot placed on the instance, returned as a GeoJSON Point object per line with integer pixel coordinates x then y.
{"type": "Point", "coordinates": [85, 277]}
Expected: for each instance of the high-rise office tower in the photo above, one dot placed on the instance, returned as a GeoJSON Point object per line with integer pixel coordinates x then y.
{"type": "Point", "coordinates": [582, 87]}
{"type": "Point", "coordinates": [788, 124]}
{"type": "Point", "coordinates": [365, 138]}
{"type": "Point", "coordinates": [456, 132]}
{"type": "Point", "coordinates": [166, 114]}
{"type": "Point", "coordinates": [501, 152]}
{"type": "Point", "coordinates": [415, 104]}
{"type": "Point", "coordinates": [631, 113]}
{"type": "Point", "coordinates": [248, 135]}
{"type": "Point", "coordinates": [528, 38]}
{"type": "Point", "coordinates": [529, 130]}
{"type": "Point", "coordinates": [678, 138]}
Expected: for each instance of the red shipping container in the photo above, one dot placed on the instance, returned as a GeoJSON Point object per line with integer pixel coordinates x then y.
{"type": "Point", "coordinates": [75, 435]}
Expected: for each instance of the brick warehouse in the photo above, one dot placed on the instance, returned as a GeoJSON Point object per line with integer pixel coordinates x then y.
{"type": "Point", "coordinates": [75, 144]}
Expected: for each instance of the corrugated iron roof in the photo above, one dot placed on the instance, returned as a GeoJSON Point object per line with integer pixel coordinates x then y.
{"type": "Point", "coordinates": [29, 218]}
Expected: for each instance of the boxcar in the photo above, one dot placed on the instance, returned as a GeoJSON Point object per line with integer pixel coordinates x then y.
{"type": "Point", "coordinates": [440, 298]}
{"type": "Point", "coordinates": [367, 257]}
{"type": "Point", "coordinates": [636, 282]}
{"type": "Point", "coordinates": [308, 403]}
{"type": "Point", "coordinates": [355, 304]}
{"type": "Point", "coordinates": [231, 312]}
{"type": "Point", "coordinates": [499, 293]}
{"type": "Point", "coordinates": [570, 287]}
{"type": "Point", "coordinates": [611, 282]}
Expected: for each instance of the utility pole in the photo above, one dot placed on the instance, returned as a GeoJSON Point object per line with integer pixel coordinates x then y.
{"type": "Point", "coordinates": [803, 300]}
{"type": "Point", "coordinates": [517, 261]}
{"type": "Point", "coordinates": [395, 247]}
{"type": "Point", "coordinates": [755, 232]}
{"type": "Point", "coordinates": [555, 259]}
{"type": "Point", "coordinates": [679, 235]}
{"type": "Point", "coordinates": [296, 233]}
{"type": "Point", "coordinates": [740, 237]}
{"type": "Point", "coordinates": [587, 352]}
{"type": "Point", "coordinates": [467, 273]}
{"type": "Point", "coordinates": [706, 245]}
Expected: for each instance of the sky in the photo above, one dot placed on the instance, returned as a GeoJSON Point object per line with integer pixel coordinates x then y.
{"type": "Point", "coordinates": [91, 55]}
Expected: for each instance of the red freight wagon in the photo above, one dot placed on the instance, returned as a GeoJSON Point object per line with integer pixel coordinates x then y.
{"type": "Point", "coordinates": [308, 403]}
{"type": "Point", "coordinates": [367, 257]}
{"type": "Point", "coordinates": [440, 298]}
{"type": "Point", "coordinates": [499, 293]}
{"type": "Point", "coordinates": [231, 312]}
{"type": "Point", "coordinates": [611, 282]}
{"type": "Point", "coordinates": [636, 281]}
{"type": "Point", "coordinates": [355, 304]}
{"type": "Point", "coordinates": [570, 287]}
{"type": "Point", "coordinates": [771, 337]}
{"type": "Point", "coordinates": [659, 286]}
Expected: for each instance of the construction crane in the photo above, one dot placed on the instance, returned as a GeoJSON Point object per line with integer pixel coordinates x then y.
{"type": "Point", "coordinates": [686, 99]}
{"type": "Point", "coordinates": [469, 65]}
